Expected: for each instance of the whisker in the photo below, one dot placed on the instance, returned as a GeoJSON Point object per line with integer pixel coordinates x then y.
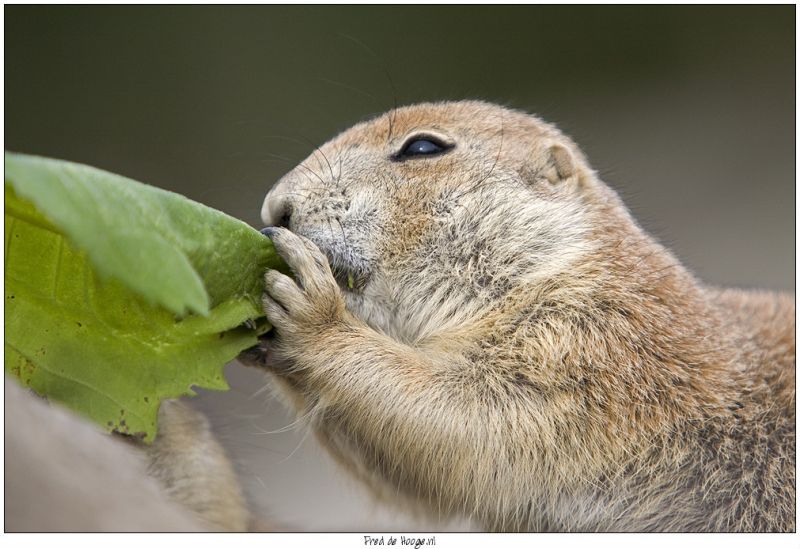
{"type": "Point", "coordinates": [484, 180]}
{"type": "Point", "coordinates": [299, 444]}
{"type": "Point", "coordinates": [293, 163]}
{"type": "Point", "coordinates": [384, 67]}
{"type": "Point", "coordinates": [286, 428]}
{"type": "Point", "coordinates": [305, 143]}
{"type": "Point", "coordinates": [351, 88]}
{"type": "Point", "coordinates": [344, 238]}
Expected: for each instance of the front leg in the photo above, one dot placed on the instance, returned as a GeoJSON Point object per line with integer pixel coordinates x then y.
{"type": "Point", "coordinates": [195, 471]}
{"type": "Point", "coordinates": [418, 417]}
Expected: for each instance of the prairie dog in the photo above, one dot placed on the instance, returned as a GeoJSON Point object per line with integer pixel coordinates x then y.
{"type": "Point", "coordinates": [477, 324]}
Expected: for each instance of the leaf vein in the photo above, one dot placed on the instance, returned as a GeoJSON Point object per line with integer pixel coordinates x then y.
{"type": "Point", "coordinates": [50, 371]}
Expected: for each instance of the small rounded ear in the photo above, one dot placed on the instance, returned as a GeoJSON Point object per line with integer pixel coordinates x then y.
{"type": "Point", "coordinates": [560, 165]}
{"type": "Point", "coordinates": [555, 163]}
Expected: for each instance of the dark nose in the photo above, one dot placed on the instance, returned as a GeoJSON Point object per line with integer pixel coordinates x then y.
{"type": "Point", "coordinates": [277, 212]}
{"type": "Point", "coordinates": [277, 208]}
{"type": "Point", "coordinates": [284, 215]}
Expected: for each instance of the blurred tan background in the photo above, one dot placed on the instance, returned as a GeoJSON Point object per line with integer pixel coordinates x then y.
{"type": "Point", "coordinates": [687, 111]}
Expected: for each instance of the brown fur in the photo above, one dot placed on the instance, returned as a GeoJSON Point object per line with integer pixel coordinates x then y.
{"type": "Point", "coordinates": [515, 347]}
{"type": "Point", "coordinates": [194, 470]}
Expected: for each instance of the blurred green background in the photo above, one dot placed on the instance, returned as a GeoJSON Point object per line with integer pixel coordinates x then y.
{"type": "Point", "coordinates": [688, 111]}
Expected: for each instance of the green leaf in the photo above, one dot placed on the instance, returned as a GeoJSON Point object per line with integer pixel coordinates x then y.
{"type": "Point", "coordinates": [100, 273]}
{"type": "Point", "coordinates": [170, 250]}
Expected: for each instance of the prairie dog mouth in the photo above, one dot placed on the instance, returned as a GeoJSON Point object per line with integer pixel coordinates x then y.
{"type": "Point", "coordinates": [349, 280]}
{"type": "Point", "coordinates": [349, 268]}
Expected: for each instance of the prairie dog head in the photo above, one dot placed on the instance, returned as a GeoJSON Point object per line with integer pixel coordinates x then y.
{"type": "Point", "coordinates": [431, 213]}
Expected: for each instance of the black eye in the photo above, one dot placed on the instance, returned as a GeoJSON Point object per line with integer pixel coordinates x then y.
{"type": "Point", "coordinates": [420, 147]}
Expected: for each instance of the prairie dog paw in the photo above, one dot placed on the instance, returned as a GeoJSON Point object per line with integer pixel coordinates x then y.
{"type": "Point", "coordinates": [310, 301]}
